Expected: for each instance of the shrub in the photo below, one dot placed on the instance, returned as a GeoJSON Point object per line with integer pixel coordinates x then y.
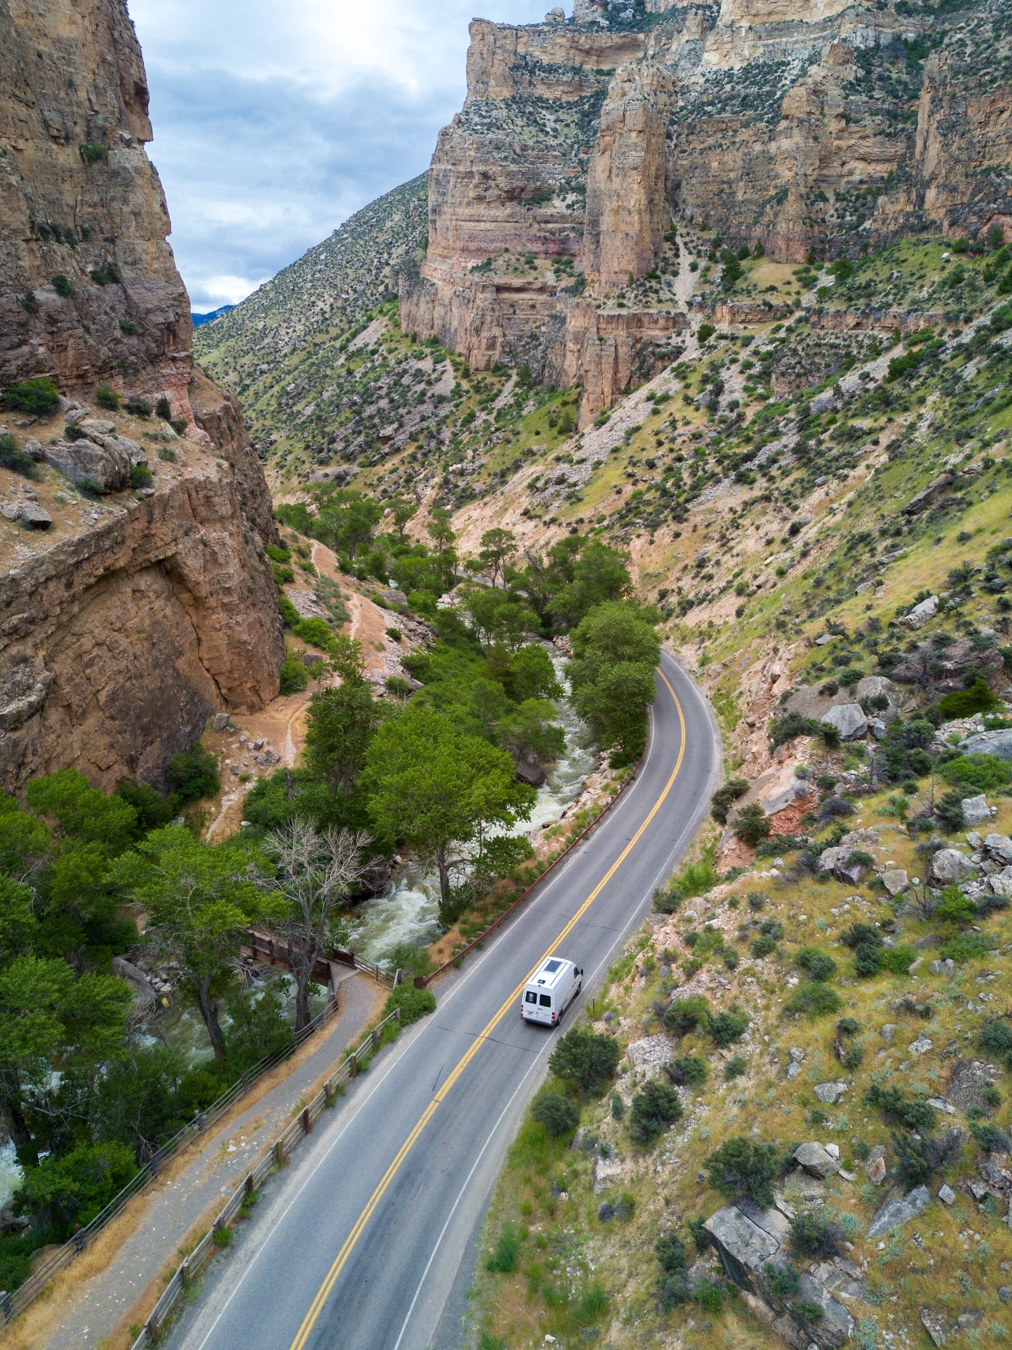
{"type": "Point", "coordinates": [967, 947]}
{"type": "Point", "coordinates": [735, 1067]}
{"type": "Point", "coordinates": [38, 397]}
{"type": "Point", "coordinates": [695, 878]}
{"type": "Point", "coordinates": [137, 407]}
{"type": "Point", "coordinates": [725, 1027]}
{"type": "Point", "coordinates": [918, 1157]}
{"type": "Point", "coordinates": [289, 614]}
{"type": "Point", "coordinates": [990, 1139]}
{"type": "Point", "coordinates": [163, 409]}
{"type": "Point", "coordinates": [585, 1058]}
{"type": "Point", "coordinates": [670, 1252]}
{"type": "Point", "coordinates": [752, 825]}
{"type": "Point", "coordinates": [949, 811]}
{"type": "Point", "coordinates": [555, 1113]}
{"type": "Point", "coordinates": [896, 959]}
{"type": "Point", "coordinates": [725, 797]}
{"type": "Point", "coordinates": [413, 1003]}
{"type": "Point", "coordinates": [686, 1070]}
{"type": "Point", "coordinates": [502, 1260]}
{"type": "Point", "coordinates": [901, 1110]}
{"type": "Point", "coordinates": [763, 946]}
{"type": "Point", "coordinates": [813, 1236]}
{"type": "Point", "coordinates": [107, 398]}
{"type": "Point", "coordinates": [784, 729]}
{"type": "Point", "coordinates": [141, 476]}
{"type": "Point", "coordinates": [744, 1169]}
{"type": "Point", "coordinates": [859, 934]}
{"type": "Point", "coordinates": [314, 632]}
{"type": "Point", "coordinates": [982, 773]}
{"type": "Point", "coordinates": [653, 1110]}
{"type": "Point", "coordinates": [706, 331]}
{"type": "Point", "coordinates": [15, 459]}
{"type": "Point", "coordinates": [818, 964]}
{"type": "Point", "coordinates": [193, 773]}
{"type": "Point", "coordinates": [94, 153]}
{"type": "Point", "coordinates": [731, 958]}
{"type": "Point", "coordinates": [294, 676]}
{"type": "Point", "coordinates": [684, 1014]}
{"type": "Point", "coordinates": [167, 453]}
{"type": "Point", "coordinates": [783, 1282]}
{"type": "Point", "coordinates": [62, 286]}
{"type": "Point", "coordinates": [978, 698]}
{"type": "Point", "coordinates": [995, 1038]}
{"type": "Point", "coordinates": [617, 1107]}
{"type": "Point", "coordinates": [812, 1001]}
{"type": "Point", "coordinates": [808, 1310]}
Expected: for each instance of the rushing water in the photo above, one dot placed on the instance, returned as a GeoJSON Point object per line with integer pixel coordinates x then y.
{"type": "Point", "coordinates": [408, 910]}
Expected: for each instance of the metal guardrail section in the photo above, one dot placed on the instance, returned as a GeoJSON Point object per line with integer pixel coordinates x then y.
{"type": "Point", "coordinates": [290, 1137]}
{"type": "Point", "coordinates": [13, 1304]}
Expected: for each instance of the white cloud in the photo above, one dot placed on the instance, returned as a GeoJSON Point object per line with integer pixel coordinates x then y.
{"type": "Point", "coordinates": [274, 123]}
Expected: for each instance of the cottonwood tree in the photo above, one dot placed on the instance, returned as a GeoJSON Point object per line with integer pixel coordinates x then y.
{"type": "Point", "coordinates": [315, 871]}
{"type": "Point", "coordinates": [615, 650]}
{"type": "Point", "coordinates": [201, 899]}
{"type": "Point", "coordinates": [437, 788]}
{"type": "Point", "coordinates": [498, 547]}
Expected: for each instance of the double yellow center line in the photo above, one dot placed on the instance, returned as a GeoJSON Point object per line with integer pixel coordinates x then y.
{"type": "Point", "coordinates": [441, 1095]}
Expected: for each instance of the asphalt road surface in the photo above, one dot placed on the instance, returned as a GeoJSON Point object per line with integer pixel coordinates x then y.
{"type": "Point", "coordinates": [370, 1242]}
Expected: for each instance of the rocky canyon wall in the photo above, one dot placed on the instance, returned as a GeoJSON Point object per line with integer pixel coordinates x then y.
{"type": "Point", "coordinates": [794, 124]}
{"type": "Point", "coordinates": [126, 624]}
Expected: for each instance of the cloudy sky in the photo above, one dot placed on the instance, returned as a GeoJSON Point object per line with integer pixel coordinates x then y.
{"type": "Point", "coordinates": [274, 122]}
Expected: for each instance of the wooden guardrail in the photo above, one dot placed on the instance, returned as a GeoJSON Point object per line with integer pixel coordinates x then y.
{"type": "Point", "coordinates": [275, 1157]}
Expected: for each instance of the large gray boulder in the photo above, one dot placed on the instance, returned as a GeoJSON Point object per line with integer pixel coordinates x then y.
{"type": "Point", "coordinates": [948, 866]}
{"type": "Point", "coordinates": [990, 743]}
{"type": "Point", "coordinates": [816, 1160]}
{"type": "Point", "coordinates": [998, 848]}
{"type": "Point", "coordinates": [976, 810]}
{"type": "Point", "coordinates": [849, 720]}
{"type": "Point", "coordinates": [895, 1213]}
{"type": "Point", "coordinates": [922, 613]}
{"type": "Point", "coordinates": [86, 462]}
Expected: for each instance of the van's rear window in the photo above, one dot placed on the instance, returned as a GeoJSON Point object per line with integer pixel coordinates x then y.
{"type": "Point", "coordinates": [530, 996]}
{"type": "Point", "coordinates": [546, 1000]}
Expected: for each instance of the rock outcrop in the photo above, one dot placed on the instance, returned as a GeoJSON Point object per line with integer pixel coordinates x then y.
{"type": "Point", "coordinates": [778, 124]}
{"type": "Point", "coordinates": [124, 625]}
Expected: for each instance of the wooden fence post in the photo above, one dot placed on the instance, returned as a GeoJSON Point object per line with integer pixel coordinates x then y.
{"type": "Point", "coordinates": [375, 1037]}
{"type": "Point", "coordinates": [353, 1065]}
{"type": "Point", "coordinates": [279, 1149]}
{"type": "Point", "coordinates": [306, 1122]}
{"type": "Point", "coordinates": [185, 1270]}
{"type": "Point", "coordinates": [328, 1092]}
{"type": "Point", "coordinates": [249, 1183]}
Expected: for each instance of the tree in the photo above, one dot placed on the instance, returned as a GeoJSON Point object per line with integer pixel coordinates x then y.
{"type": "Point", "coordinates": [403, 509]}
{"type": "Point", "coordinates": [315, 871]}
{"type": "Point", "coordinates": [599, 575]}
{"type": "Point", "coordinates": [585, 1058]}
{"type": "Point", "coordinates": [441, 529]}
{"type": "Point", "coordinates": [532, 732]}
{"type": "Point", "coordinates": [347, 519]}
{"type": "Point", "coordinates": [49, 1018]}
{"type": "Point", "coordinates": [653, 1110]}
{"type": "Point", "coordinates": [76, 1185]}
{"type": "Point", "coordinates": [81, 810]}
{"type": "Point", "coordinates": [434, 787]}
{"type": "Point", "coordinates": [340, 725]}
{"type": "Point", "coordinates": [530, 674]}
{"type": "Point", "coordinates": [615, 650]}
{"type": "Point", "coordinates": [744, 1169]}
{"type": "Point", "coordinates": [201, 898]}
{"type": "Point", "coordinates": [498, 546]}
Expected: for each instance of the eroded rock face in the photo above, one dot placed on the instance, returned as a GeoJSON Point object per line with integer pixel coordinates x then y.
{"type": "Point", "coordinates": [117, 641]}
{"type": "Point", "coordinates": [583, 140]}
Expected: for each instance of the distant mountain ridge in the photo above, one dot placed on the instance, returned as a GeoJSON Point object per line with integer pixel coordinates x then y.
{"type": "Point", "coordinates": [200, 319]}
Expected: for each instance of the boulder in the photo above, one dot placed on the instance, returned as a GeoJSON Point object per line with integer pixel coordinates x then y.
{"type": "Point", "coordinates": [946, 1194]}
{"type": "Point", "coordinates": [34, 448]}
{"type": "Point", "coordinates": [530, 771]}
{"type": "Point", "coordinates": [998, 847]}
{"type": "Point", "coordinates": [556, 15]}
{"type": "Point", "coordinates": [828, 858]}
{"type": "Point", "coordinates": [816, 1160]}
{"type": "Point", "coordinates": [888, 1031]}
{"type": "Point", "coordinates": [935, 1325]}
{"type": "Point", "coordinates": [140, 986]}
{"type": "Point", "coordinates": [35, 516]}
{"type": "Point", "coordinates": [84, 462]}
{"type": "Point", "coordinates": [849, 720]}
{"type": "Point", "coordinates": [895, 1213]}
{"type": "Point", "coordinates": [874, 685]}
{"type": "Point", "coordinates": [922, 613]}
{"type": "Point", "coordinates": [997, 743]}
{"type": "Point", "coordinates": [895, 880]}
{"type": "Point", "coordinates": [875, 1165]}
{"type": "Point", "coordinates": [928, 494]}
{"type": "Point", "coordinates": [829, 1093]}
{"type": "Point", "coordinates": [864, 839]}
{"type": "Point", "coordinates": [976, 810]}
{"type": "Point", "coordinates": [948, 866]}
{"type": "Point", "coordinates": [96, 426]}
{"type": "Point", "coordinates": [219, 722]}
{"type": "Point", "coordinates": [1001, 883]}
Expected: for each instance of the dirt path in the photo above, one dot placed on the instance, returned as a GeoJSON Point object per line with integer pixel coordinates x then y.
{"type": "Point", "coordinates": [98, 1293]}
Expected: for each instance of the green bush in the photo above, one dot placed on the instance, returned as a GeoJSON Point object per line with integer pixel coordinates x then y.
{"type": "Point", "coordinates": [695, 878]}
{"type": "Point", "coordinates": [686, 1070]}
{"type": "Point", "coordinates": [812, 1001]}
{"type": "Point", "coordinates": [94, 153]}
{"type": "Point", "coordinates": [141, 476]}
{"type": "Point", "coordinates": [163, 409]}
{"type": "Point", "coordinates": [744, 1169]}
{"type": "Point", "coordinates": [763, 946]}
{"type": "Point", "coordinates": [314, 632]}
{"type": "Point", "coordinates": [555, 1113]}
{"type": "Point", "coordinates": [653, 1110]}
{"type": "Point", "coordinates": [896, 959]}
{"type": "Point", "coordinates": [981, 773]}
{"type": "Point", "coordinates": [949, 810]}
{"type": "Point", "coordinates": [294, 676]}
{"type": "Point", "coordinates": [914, 1115]}
{"type": "Point", "coordinates": [289, 614]}
{"type": "Point", "coordinates": [814, 1236]}
{"type": "Point", "coordinates": [976, 699]}
{"type": "Point", "coordinates": [193, 774]}
{"type": "Point", "coordinates": [502, 1260]}
{"type": "Point", "coordinates": [684, 1014]}
{"type": "Point", "coordinates": [670, 1252]}
{"type": "Point", "coordinates": [706, 332]}
{"type": "Point", "coordinates": [783, 1282]}
{"type": "Point", "coordinates": [726, 1027]}
{"type": "Point", "coordinates": [62, 286]}
{"type": "Point", "coordinates": [818, 964]}
{"type": "Point", "coordinates": [107, 398]}
{"type": "Point", "coordinates": [137, 407]}
{"type": "Point", "coordinates": [752, 825]}
{"type": "Point", "coordinates": [995, 1038]}
{"type": "Point", "coordinates": [73, 1187]}
{"type": "Point", "coordinates": [735, 1067]}
{"type": "Point", "coordinates": [413, 1003]}
{"type": "Point", "coordinates": [967, 947]}
{"type": "Point", "coordinates": [167, 453]}
{"type": "Point", "coordinates": [725, 797]}
{"type": "Point", "coordinates": [585, 1058]}
{"type": "Point", "coordinates": [15, 459]}
{"type": "Point", "coordinates": [38, 397]}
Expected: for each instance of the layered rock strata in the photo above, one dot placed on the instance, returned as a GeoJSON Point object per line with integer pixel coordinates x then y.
{"type": "Point", "coordinates": [791, 124]}
{"type": "Point", "coordinates": [119, 634]}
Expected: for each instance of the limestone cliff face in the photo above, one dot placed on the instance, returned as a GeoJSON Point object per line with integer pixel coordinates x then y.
{"type": "Point", "coordinates": [125, 625]}
{"type": "Point", "coordinates": [832, 124]}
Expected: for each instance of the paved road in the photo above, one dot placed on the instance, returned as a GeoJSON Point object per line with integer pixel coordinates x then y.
{"type": "Point", "coordinates": [364, 1245]}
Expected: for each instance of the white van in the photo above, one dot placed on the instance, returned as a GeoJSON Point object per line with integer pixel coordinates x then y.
{"type": "Point", "coordinates": [550, 991]}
